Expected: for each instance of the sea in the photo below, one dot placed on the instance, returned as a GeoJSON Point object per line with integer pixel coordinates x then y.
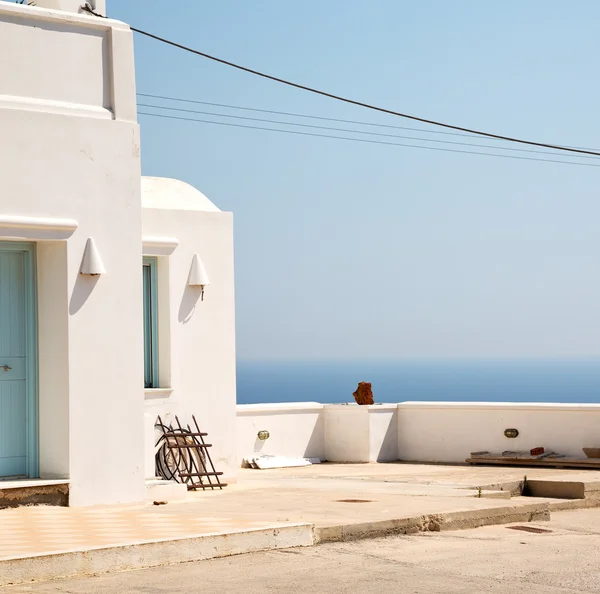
{"type": "Point", "coordinates": [562, 381]}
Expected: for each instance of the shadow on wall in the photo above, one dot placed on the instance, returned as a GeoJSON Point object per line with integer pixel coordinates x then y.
{"type": "Point", "coordinates": [314, 446]}
{"type": "Point", "coordinates": [191, 296]}
{"type": "Point", "coordinates": [388, 451]}
{"type": "Point", "coordinates": [84, 285]}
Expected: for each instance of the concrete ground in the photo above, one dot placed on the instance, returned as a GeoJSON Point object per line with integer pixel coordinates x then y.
{"type": "Point", "coordinates": [490, 559]}
{"type": "Point", "coordinates": [324, 495]}
{"type": "Point", "coordinates": [317, 494]}
{"type": "Point", "coordinates": [275, 509]}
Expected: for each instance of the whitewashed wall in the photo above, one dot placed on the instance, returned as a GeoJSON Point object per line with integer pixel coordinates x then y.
{"type": "Point", "coordinates": [337, 433]}
{"type": "Point", "coordinates": [296, 430]}
{"type": "Point", "coordinates": [414, 431]}
{"type": "Point", "coordinates": [360, 433]}
{"type": "Point", "coordinates": [69, 148]}
{"type": "Point", "coordinates": [196, 337]}
{"type": "Point", "coordinates": [383, 433]}
{"type": "Point", "coordinates": [450, 431]}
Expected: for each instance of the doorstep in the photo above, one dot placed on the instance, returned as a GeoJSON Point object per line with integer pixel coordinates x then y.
{"type": "Point", "coordinates": [19, 492]}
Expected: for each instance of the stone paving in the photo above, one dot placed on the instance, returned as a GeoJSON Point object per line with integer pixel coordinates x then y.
{"type": "Point", "coordinates": [42, 530]}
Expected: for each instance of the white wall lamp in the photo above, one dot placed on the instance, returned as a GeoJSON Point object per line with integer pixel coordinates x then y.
{"type": "Point", "coordinates": [92, 262]}
{"type": "Point", "coordinates": [198, 276]}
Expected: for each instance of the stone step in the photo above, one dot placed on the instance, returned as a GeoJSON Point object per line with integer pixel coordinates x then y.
{"type": "Point", "coordinates": [19, 570]}
{"type": "Point", "coordinates": [16, 493]}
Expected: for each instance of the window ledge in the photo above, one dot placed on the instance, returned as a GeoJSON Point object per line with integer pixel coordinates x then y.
{"type": "Point", "coordinates": [154, 393]}
{"type": "Point", "coordinates": [159, 246]}
{"type": "Point", "coordinates": [36, 228]}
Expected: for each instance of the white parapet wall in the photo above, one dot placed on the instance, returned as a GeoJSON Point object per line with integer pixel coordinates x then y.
{"type": "Point", "coordinates": [444, 432]}
{"type": "Point", "coordinates": [450, 431]}
{"type": "Point", "coordinates": [361, 433]}
{"type": "Point", "coordinates": [296, 430]}
{"type": "Point", "coordinates": [333, 432]}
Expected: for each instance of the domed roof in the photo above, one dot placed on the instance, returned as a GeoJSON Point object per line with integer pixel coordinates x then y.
{"type": "Point", "coordinates": [173, 194]}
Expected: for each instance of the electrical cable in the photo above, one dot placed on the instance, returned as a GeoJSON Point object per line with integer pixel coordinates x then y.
{"type": "Point", "coordinates": [283, 81]}
{"type": "Point", "coordinates": [431, 148]}
{"type": "Point", "coordinates": [313, 117]}
{"type": "Point", "coordinates": [359, 103]}
{"type": "Point", "coordinates": [264, 120]}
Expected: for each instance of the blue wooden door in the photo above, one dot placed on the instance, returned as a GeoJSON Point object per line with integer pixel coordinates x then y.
{"type": "Point", "coordinates": [16, 414]}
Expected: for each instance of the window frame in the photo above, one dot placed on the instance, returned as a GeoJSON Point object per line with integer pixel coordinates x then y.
{"type": "Point", "coordinates": [150, 317]}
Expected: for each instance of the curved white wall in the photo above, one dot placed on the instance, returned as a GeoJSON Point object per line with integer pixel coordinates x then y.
{"type": "Point", "coordinates": [173, 194]}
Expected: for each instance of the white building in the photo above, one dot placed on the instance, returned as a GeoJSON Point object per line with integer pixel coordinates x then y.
{"type": "Point", "coordinates": [102, 321]}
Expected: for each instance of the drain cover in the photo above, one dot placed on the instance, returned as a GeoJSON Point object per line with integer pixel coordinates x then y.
{"type": "Point", "coordinates": [354, 501]}
{"type": "Point", "coordinates": [529, 529]}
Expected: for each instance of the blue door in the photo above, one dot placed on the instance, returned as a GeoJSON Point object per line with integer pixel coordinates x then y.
{"type": "Point", "coordinates": [18, 390]}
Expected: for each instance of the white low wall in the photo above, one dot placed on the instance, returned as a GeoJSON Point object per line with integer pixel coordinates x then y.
{"type": "Point", "coordinates": [361, 433]}
{"type": "Point", "coordinates": [445, 432]}
{"type": "Point", "coordinates": [296, 430]}
{"type": "Point", "coordinates": [450, 431]}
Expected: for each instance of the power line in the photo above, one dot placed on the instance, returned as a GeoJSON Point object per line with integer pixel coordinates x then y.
{"type": "Point", "coordinates": [359, 103]}
{"type": "Point", "coordinates": [302, 115]}
{"type": "Point", "coordinates": [313, 117]}
{"type": "Point", "coordinates": [265, 120]}
{"type": "Point", "coordinates": [313, 134]}
{"type": "Point", "coordinates": [86, 7]}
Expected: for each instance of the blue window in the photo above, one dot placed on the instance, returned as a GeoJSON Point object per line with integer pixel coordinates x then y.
{"type": "Point", "coordinates": [150, 323]}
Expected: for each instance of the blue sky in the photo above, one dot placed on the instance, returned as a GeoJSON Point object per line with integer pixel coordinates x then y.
{"type": "Point", "coordinates": [359, 251]}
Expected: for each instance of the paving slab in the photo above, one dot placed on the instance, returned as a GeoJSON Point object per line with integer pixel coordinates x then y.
{"type": "Point", "coordinates": [279, 496]}
{"type": "Point", "coordinates": [441, 474]}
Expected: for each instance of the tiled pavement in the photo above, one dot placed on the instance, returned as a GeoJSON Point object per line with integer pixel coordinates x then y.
{"type": "Point", "coordinates": [32, 531]}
